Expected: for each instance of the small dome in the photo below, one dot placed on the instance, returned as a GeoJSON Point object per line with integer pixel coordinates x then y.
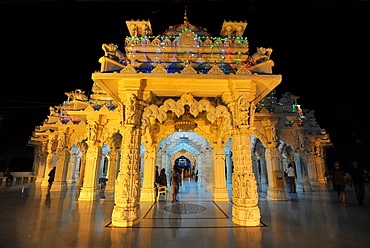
{"type": "Point", "coordinates": [177, 29]}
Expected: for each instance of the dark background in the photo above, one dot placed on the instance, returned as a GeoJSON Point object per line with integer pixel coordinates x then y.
{"type": "Point", "coordinates": [321, 49]}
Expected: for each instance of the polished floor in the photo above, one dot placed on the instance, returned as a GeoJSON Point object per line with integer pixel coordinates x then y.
{"type": "Point", "coordinates": [32, 217]}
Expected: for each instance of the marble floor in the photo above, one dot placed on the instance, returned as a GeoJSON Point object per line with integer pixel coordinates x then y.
{"type": "Point", "coordinates": [30, 217]}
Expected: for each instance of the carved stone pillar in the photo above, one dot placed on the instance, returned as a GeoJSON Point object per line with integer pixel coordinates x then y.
{"type": "Point", "coordinates": [303, 183]}
{"type": "Point", "coordinates": [60, 180]}
{"type": "Point", "coordinates": [148, 191]}
{"type": "Point", "coordinates": [219, 190]}
{"type": "Point", "coordinates": [82, 170]}
{"type": "Point", "coordinates": [229, 166]}
{"type": "Point", "coordinates": [40, 161]}
{"type": "Point", "coordinates": [317, 164]}
{"type": "Point", "coordinates": [159, 159]}
{"type": "Point", "coordinates": [209, 170]}
{"type": "Point", "coordinates": [169, 166]}
{"type": "Point", "coordinates": [245, 211]}
{"type": "Point", "coordinates": [276, 188]}
{"type": "Point", "coordinates": [112, 170]}
{"type": "Point", "coordinates": [313, 172]}
{"type": "Point", "coordinates": [89, 188]}
{"type": "Point", "coordinates": [126, 211]}
{"type": "Point", "coordinates": [49, 166]}
{"type": "Point", "coordinates": [202, 169]}
{"type": "Point", "coordinates": [71, 176]}
{"type": "Point", "coordinates": [320, 164]}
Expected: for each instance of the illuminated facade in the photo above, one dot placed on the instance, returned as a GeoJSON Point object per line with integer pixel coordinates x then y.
{"type": "Point", "coordinates": [181, 94]}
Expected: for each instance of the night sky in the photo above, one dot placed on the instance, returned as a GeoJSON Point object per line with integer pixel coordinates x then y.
{"type": "Point", "coordinates": [321, 49]}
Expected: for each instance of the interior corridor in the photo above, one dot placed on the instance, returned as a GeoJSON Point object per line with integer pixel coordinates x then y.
{"type": "Point", "coordinates": [32, 217]}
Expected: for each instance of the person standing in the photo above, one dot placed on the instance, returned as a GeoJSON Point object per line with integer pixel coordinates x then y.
{"type": "Point", "coordinates": [291, 178]}
{"type": "Point", "coordinates": [51, 178]}
{"type": "Point", "coordinates": [338, 177]}
{"type": "Point", "coordinates": [358, 180]}
{"type": "Point", "coordinates": [175, 182]}
{"type": "Point", "coordinates": [157, 179]}
{"type": "Point", "coordinates": [163, 178]}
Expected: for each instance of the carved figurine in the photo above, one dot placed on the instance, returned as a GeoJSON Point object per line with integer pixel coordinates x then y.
{"type": "Point", "coordinates": [112, 52]}
{"type": "Point", "coordinates": [130, 109]}
{"type": "Point", "coordinates": [76, 95]}
{"type": "Point", "coordinates": [53, 112]}
{"type": "Point", "coordinates": [262, 55]}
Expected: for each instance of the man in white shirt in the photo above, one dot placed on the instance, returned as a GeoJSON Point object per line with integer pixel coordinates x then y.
{"type": "Point", "coordinates": [291, 178]}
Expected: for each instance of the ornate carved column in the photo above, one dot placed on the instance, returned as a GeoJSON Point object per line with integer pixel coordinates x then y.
{"type": "Point", "coordinates": [219, 190]}
{"type": "Point", "coordinates": [62, 161]}
{"type": "Point", "coordinates": [202, 169]}
{"type": "Point", "coordinates": [71, 177]}
{"type": "Point", "coordinates": [49, 160]}
{"type": "Point", "coordinates": [112, 170]}
{"type": "Point", "coordinates": [60, 181]}
{"type": "Point", "coordinates": [276, 188]}
{"type": "Point", "coordinates": [148, 191]}
{"type": "Point", "coordinates": [320, 163]}
{"type": "Point", "coordinates": [303, 183]}
{"type": "Point", "coordinates": [245, 211]}
{"type": "Point", "coordinates": [229, 166]}
{"type": "Point", "coordinates": [89, 190]}
{"type": "Point", "coordinates": [82, 169]}
{"type": "Point", "coordinates": [208, 174]}
{"type": "Point", "coordinates": [40, 161]}
{"type": "Point", "coordinates": [126, 211]}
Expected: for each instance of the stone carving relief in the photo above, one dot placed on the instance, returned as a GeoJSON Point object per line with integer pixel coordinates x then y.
{"type": "Point", "coordinates": [111, 51]}
{"type": "Point", "coordinates": [262, 55]}
{"type": "Point", "coordinates": [242, 70]}
{"type": "Point", "coordinates": [187, 38]}
{"type": "Point", "coordinates": [215, 70]}
{"type": "Point", "coordinates": [244, 187]}
{"type": "Point", "coordinates": [130, 108]}
{"type": "Point", "coordinates": [159, 69]}
{"type": "Point", "coordinates": [178, 108]}
{"type": "Point", "coordinates": [129, 69]}
{"type": "Point", "coordinates": [188, 69]}
{"type": "Point", "coordinates": [76, 95]}
{"type": "Point", "coordinates": [91, 130]}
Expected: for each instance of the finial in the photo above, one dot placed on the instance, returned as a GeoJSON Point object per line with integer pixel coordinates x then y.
{"type": "Point", "coordinates": [185, 17]}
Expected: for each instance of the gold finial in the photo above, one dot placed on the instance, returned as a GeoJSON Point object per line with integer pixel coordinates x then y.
{"type": "Point", "coordinates": [185, 17]}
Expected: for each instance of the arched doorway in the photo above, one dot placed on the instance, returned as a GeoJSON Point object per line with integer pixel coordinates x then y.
{"type": "Point", "coordinates": [209, 119]}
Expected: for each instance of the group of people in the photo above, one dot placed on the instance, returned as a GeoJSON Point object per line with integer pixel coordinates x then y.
{"type": "Point", "coordinates": [175, 181]}
{"type": "Point", "coordinates": [356, 180]}
{"type": "Point", "coordinates": [339, 179]}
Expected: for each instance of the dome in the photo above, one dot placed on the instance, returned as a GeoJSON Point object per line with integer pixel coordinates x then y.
{"type": "Point", "coordinates": [177, 29]}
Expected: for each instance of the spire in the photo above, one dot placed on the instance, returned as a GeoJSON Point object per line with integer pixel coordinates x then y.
{"type": "Point", "coordinates": [185, 17]}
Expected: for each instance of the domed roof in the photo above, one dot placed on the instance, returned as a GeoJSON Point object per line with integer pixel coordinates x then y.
{"type": "Point", "coordinates": [177, 29]}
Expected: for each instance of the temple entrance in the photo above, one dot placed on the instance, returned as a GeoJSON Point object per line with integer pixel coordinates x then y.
{"type": "Point", "coordinates": [183, 164]}
{"type": "Point", "coordinates": [191, 155]}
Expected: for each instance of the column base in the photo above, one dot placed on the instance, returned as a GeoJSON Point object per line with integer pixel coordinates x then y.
{"type": "Point", "coordinates": [276, 194]}
{"type": "Point", "coordinates": [44, 183]}
{"type": "Point", "coordinates": [147, 195]}
{"type": "Point", "coordinates": [317, 181]}
{"type": "Point", "coordinates": [88, 194]}
{"type": "Point", "coordinates": [39, 179]}
{"type": "Point", "coordinates": [246, 215]}
{"type": "Point", "coordinates": [59, 186]}
{"type": "Point", "coordinates": [110, 187]}
{"type": "Point", "coordinates": [220, 195]}
{"type": "Point", "coordinates": [125, 216]}
{"type": "Point", "coordinates": [304, 187]}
